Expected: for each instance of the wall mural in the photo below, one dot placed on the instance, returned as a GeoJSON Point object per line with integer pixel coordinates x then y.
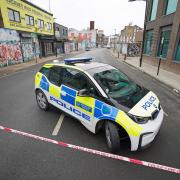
{"type": "Point", "coordinates": [10, 51]}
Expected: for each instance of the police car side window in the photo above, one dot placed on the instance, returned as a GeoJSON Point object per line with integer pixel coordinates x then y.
{"type": "Point", "coordinates": [55, 75]}
{"type": "Point", "coordinates": [44, 71]}
{"type": "Point", "coordinates": [77, 80]}
{"type": "Point", "coordinates": [73, 78]}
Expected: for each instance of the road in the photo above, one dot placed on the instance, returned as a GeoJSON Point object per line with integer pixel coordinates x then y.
{"type": "Point", "coordinates": [26, 158]}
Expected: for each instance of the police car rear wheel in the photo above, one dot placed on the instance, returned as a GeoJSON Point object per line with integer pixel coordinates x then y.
{"type": "Point", "coordinates": [112, 136]}
{"type": "Point", "coordinates": [42, 100]}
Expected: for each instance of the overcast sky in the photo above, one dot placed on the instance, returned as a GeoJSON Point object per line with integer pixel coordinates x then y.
{"type": "Point", "coordinates": [107, 14]}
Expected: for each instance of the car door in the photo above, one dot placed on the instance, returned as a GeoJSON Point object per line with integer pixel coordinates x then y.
{"type": "Point", "coordinates": [80, 107]}
{"type": "Point", "coordinates": [55, 81]}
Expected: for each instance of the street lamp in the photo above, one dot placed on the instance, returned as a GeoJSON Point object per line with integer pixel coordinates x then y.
{"type": "Point", "coordinates": [144, 32]}
{"type": "Point", "coordinates": [49, 6]}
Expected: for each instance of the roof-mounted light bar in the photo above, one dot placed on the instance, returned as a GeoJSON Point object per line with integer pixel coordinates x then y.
{"type": "Point", "coordinates": [77, 60]}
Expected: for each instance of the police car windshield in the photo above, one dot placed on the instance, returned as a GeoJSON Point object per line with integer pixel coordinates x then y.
{"type": "Point", "coordinates": [115, 83]}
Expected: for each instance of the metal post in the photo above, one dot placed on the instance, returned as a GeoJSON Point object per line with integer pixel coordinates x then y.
{"type": "Point", "coordinates": [159, 64]}
{"type": "Point", "coordinates": [144, 33]}
{"type": "Point", "coordinates": [56, 49]}
{"type": "Point", "coordinates": [49, 6]}
{"type": "Point", "coordinates": [35, 51]}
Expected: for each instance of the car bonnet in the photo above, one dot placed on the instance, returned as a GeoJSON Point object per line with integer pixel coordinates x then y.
{"type": "Point", "coordinates": [146, 106]}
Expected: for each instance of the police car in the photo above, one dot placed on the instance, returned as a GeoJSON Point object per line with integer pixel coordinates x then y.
{"type": "Point", "coordinates": [101, 96]}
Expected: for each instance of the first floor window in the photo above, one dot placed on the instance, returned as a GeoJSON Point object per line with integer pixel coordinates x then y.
{"type": "Point", "coordinates": [170, 6]}
{"type": "Point", "coordinates": [40, 23]}
{"type": "Point", "coordinates": [154, 7]}
{"type": "Point", "coordinates": [148, 42]}
{"type": "Point", "coordinates": [49, 26]}
{"type": "Point", "coordinates": [29, 20]}
{"type": "Point", "coordinates": [164, 41]}
{"type": "Point", "coordinates": [14, 15]}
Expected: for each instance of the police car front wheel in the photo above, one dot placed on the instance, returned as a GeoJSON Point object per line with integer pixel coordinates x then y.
{"type": "Point", "coordinates": [112, 136]}
{"type": "Point", "coordinates": [42, 100]}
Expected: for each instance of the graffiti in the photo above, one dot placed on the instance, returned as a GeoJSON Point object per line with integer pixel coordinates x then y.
{"type": "Point", "coordinates": [69, 47]}
{"type": "Point", "coordinates": [133, 49]}
{"type": "Point", "coordinates": [27, 51]}
{"type": "Point", "coordinates": [10, 51]}
{"type": "Point", "coordinates": [7, 35]}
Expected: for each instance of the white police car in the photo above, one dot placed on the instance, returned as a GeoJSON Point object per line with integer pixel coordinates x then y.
{"type": "Point", "coordinates": [101, 96]}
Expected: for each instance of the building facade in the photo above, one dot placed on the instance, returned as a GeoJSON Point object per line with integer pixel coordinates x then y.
{"type": "Point", "coordinates": [100, 38]}
{"type": "Point", "coordinates": [61, 36]}
{"type": "Point", "coordinates": [130, 40]}
{"type": "Point", "coordinates": [131, 34]}
{"type": "Point", "coordinates": [162, 35]}
{"type": "Point", "coordinates": [82, 39]}
{"type": "Point", "coordinates": [31, 28]}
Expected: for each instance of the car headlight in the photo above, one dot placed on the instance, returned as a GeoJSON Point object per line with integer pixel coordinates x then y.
{"type": "Point", "coordinates": [139, 120]}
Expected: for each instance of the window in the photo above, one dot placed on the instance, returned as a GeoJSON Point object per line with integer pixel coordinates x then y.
{"type": "Point", "coordinates": [49, 26]}
{"type": "Point", "coordinates": [44, 71]}
{"type": "Point", "coordinates": [13, 15]}
{"type": "Point", "coordinates": [78, 81]}
{"type": "Point", "coordinates": [148, 42]}
{"type": "Point", "coordinates": [115, 83]}
{"type": "Point", "coordinates": [154, 6]}
{"type": "Point", "coordinates": [48, 48]}
{"type": "Point", "coordinates": [29, 20]}
{"type": "Point", "coordinates": [40, 23]}
{"type": "Point", "coordinates": [75, 79]}
{"type": "Point", "coordinates": [55, 76]}
{"type": "Point", "coordinates": [170, 6]}
{"type": "Point", "coordinates": [177, 55]}
{"type": "Point", "coordinates": [57, 29]}
{"type": "Point", "coordinates": [165, 37]}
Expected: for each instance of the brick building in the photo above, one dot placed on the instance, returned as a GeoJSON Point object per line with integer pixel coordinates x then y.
{"type": "Point", "coordinates": [162, 36]}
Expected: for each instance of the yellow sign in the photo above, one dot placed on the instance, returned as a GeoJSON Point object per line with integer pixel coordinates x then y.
{"type": "Point", "coordinates": [21, 15]}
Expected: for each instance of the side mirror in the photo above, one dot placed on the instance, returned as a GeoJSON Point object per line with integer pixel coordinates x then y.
{"type": "Point", "coordinates": [83, 93]}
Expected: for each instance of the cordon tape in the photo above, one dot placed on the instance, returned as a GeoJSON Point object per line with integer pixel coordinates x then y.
{"type": "Point", "coordinates": [92, 151]}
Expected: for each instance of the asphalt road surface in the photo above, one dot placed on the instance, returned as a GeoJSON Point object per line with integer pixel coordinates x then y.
{"type": "Point", "coordinates": [23, 158]}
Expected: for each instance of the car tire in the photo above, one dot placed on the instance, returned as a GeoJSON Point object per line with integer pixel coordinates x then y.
{"type": "Point", "coordinates": [112, 136]}
{"type": "Point", "coordinates": [42, 100]}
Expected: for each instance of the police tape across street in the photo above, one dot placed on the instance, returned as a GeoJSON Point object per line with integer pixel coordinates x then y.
{"type": "Point", "coordinates": [113, 156]}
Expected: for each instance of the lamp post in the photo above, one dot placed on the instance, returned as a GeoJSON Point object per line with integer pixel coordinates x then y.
{"type": "Point", "coordinates": [49, 5]}
{"type": "Point", "coordinates": [144, 32]}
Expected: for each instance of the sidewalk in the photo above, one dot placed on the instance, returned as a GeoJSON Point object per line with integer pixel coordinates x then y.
{"type": "Point", "coordinates": [168, 78]}
{"type": "Point", "coordinates": [14, 68]}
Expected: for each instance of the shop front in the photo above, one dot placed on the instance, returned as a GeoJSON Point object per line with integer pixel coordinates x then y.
{"type": "Point", "coordinates": [46, 44]}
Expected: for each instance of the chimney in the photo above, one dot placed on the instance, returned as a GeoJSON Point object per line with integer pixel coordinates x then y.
{"type": "Point", "coordinates": [91, 25]}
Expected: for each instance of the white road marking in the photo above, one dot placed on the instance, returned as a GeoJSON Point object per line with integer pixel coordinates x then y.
{"type": "Point", "coordinates": [58, 125]}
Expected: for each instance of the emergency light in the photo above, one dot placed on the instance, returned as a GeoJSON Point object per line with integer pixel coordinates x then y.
{"type": "Point", "coordinates": [77, 60]}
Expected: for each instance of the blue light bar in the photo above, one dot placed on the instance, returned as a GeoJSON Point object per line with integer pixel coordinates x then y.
{"type": "Point", "coordinates": [77, 60]}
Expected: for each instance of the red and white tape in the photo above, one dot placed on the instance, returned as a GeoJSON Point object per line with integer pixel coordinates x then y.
{"type": "Point", "coordinates": [92, 151]}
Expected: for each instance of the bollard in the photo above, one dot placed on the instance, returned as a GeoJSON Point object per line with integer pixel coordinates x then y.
{"type": "Point", "coordinates": [118, 54]}
{"type": "Point", "coordinates": [159, 64]}
{"type": "Point", "coordinates": [125, 57]}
